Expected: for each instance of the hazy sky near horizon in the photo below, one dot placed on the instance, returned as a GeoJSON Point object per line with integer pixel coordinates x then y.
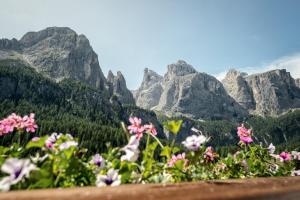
{"type": "Point", "coordinates": [211, 35]}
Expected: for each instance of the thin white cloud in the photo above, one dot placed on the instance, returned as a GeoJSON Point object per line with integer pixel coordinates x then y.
{"type": "Point", "coordinates": [290, 63]}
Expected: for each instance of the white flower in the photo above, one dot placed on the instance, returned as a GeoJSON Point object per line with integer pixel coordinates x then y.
{"type": "Point", "coordinates": [17, 170]}
{"type": "Point", "coordinates": [98, 160]}
{"type": "Point", "coordinates": [67, 145]}
{"type": "Point", "coordinates": [5, 184]}
{"type": "Point", "coordinates": [131, 150]}
{"type": "Point", "coordinates": [271, 148]}
{"type": "Point", "coordinates": [112, 178]}
{"type": "Point", "coordinates": [193, 142]}
{"type": "Point", "coordinates": [296, 173]}
{"type": "Point", "coordinates": [273, 168]}
{"type": "Point", "coordinates": [295, 155]}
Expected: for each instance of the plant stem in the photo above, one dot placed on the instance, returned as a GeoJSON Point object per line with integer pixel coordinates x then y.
{"type": "Point", "coordinates": [160, 144]}
{"type": "Point", "coordinates": [148, 140]}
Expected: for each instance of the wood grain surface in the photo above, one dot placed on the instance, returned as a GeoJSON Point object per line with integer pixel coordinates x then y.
{"type": "Point", "coordinates": [283, 188]}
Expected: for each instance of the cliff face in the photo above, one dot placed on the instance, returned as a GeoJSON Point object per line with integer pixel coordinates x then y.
{"type": "Point", "coordinates": [236, 85]}
{"type": "Point", "coordinates": [60, 53]}
{"type": "Point", "coordinates": [269, 93]}
{"type": "Point", "coordinates": [117, 86]}
{"type": "Point", "coordinates": [148, 95]}
{"type": "Point", "coordinates": [189, 93]}
{"type": "Point", "coordinates": [297, 82]}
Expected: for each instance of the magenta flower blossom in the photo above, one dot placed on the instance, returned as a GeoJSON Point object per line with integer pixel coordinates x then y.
{"type": "Point", "coordinates": [136, 127]}
{"type": "Point", "coordinates": [285, 156]}
{"type": "Point", "coordinates": [151, 128]}
{"type": "Point", "coordinates": [244, 134]}
{"type": "Point", "coordinates": [174, 159]}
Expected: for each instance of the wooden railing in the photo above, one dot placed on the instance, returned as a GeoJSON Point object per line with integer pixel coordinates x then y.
{"type": "Point", "coordinates": [283, 188]}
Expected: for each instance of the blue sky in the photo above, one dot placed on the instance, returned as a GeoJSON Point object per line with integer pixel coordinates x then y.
{"type": "Point", "coordinates": [129, 35]}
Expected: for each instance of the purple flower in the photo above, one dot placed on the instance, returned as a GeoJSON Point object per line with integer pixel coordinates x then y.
{"type": "Point", "coordinates": [112, 178]}
{"type": "Point", "coordinates": [17, 170]}
{"type": "Point", "coordinates": [98, 160]}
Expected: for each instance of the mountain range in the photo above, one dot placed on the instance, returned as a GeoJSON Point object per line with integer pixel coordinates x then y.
{"type": "Point", "coordinates": [58, 68]}
{"type": "Point", "coordinates": [60, 53]}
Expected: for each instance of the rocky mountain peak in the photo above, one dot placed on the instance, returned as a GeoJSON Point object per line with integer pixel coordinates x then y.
{"type": "Point", "coordinates": [148, 94]}
{"type": "Point", "coordinates": [150, 78]}
{"type": "Point", "coordinates": [117, 87]}
{"type": "Point", "coordinates": [57, 53]}
{"type": "Point", "coordinates": [180, 68]}
{"type": "Point", "coordinates": [51, 33]}
{"type": "Point", "coordinates": [185, 92]}
{"type": "Point", "coordinates": [237, 87]}
{"type": "Point", "coordinates": [268, 93]}
{"type": "Point", "coordinates": [110, 76]}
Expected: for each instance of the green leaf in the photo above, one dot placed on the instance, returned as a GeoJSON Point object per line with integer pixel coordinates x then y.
{"type": "Point", "coordinates": [37, 144]}
{"type": "Point", "coordinates": [179, 164]}
{"type": "Point", "coordinates": [166, 152]}
{"type": "Point", "coordinates": [173, 126]}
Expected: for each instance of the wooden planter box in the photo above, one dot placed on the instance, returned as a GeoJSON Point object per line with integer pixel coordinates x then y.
{"type": "Point", "coordinates": [287, 188]}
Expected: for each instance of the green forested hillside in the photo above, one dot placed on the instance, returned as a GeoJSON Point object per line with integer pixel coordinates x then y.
{"type": "Point", "coordinates": [68, 106]}
{"type": "Point", "coordinates": [91, 115]}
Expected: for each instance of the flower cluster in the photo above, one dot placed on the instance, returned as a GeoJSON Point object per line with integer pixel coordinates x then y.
{"type": "Point", "coordinates": [60, 161]}
{"type": "Point", "coordinates": [67, 142]}
{"type": "Point", "coordinates": [209, 154]}
{"type": "Point", "coordinates": [176, 158]}
{"type": "Point", "coordinates": [138, 129]}
{"type": "Point", "coordinates": [283, 156]}
{"type": "Point", "coordinates": [244, 134]}
{"type": "Point", "coordinates": [16, 122]}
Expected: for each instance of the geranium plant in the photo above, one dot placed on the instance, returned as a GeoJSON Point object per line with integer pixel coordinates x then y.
{"type": "Point", "coordinates": [58, 160]}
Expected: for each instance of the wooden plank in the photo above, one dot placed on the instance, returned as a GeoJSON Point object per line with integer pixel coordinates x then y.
{"type": "Point", "coordinates": [287, 188]}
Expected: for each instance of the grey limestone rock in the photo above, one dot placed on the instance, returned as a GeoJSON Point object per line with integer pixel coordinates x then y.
{"type": "Point", "coordinates": [117, 86]}
{"type": "Point", "coordinates": [186, 92]}
{"type": "Point", "coordinates": [269, 93]}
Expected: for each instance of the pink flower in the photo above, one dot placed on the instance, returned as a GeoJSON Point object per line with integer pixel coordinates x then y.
{"type": "Point", "coordinates": [150, 127]}
{"type": "Point", "coordinates": [174, 159]}
{"type": "Point", "coordinates": [244, 134]}
{"type": "Point", "coordinates": [136, 127]}
{"type": "Point", "coordinates": [285, 156]}
{"type": "Point", "coordinates": [14, 121]}
{"type": "Point", "coordinates": [209, 154]}
{"type": "Point", "coordinates": [29, 123]}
